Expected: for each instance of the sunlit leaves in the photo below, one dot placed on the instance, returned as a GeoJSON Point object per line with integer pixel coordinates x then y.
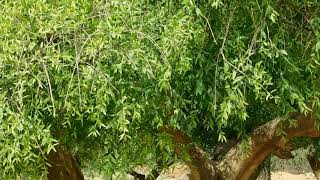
{"type": "Point", "coordinates": [104, 77]}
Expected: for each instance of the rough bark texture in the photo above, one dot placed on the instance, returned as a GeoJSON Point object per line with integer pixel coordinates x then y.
{"type": "Point", "coordinates": [265, 140]}
{"type": "Point", "coordinates": [263, 169]}
{"type": "Point", "coordinates": [201, 166]}
{"type": "Point", "coordinates": [63, 165]}
{"type": "Point", "coordinates": [238, 165]}
{"type": "Point", "coordinates": [315, 165]}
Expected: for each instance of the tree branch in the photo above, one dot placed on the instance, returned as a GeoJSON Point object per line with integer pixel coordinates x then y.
{"type": "Point", "coordinates": [201, 166]}
{"type": "Point", "coordinates": [265, 140]}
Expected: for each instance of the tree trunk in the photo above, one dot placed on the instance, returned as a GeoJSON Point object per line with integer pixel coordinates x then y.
{"type": "Point", "coordinates": [315, 165]}
{"type": "Point", "coordinates": [202, 168]}
{"type": "Point", "coordinates": [63, 165]}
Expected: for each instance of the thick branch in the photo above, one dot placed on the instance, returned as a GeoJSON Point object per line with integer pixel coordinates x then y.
{"type": "Point", "coordinates": [265, 140]}
{"type": "Point", "coordinates": [202, 168]}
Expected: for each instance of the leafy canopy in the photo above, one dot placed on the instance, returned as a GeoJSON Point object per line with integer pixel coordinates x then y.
{"type": "Point", "coordinates": [105, 77]}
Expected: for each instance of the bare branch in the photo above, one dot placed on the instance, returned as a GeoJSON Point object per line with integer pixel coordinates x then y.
{"type": "Point", "coordinates": [50, 89]}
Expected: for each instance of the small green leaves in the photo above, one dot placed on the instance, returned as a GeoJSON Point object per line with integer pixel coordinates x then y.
{"type": "Point", "coordinates": [106, 77]}
{"type": "Point", "coordinates": [198, 11]}
{"type": "Point", "coordinates": [284, 52]}
{"type": "Point", "coordinates": [237, 79]}
{"type": "Point", "coordinates": [199, 88]}
{"type": "Point", "coordinates": [272, 14]}
{"type": "Point", "coordinates": [222, 137]}
{"type": "Point", "coordinates": [216, 3]}
{"type": "Point", "coordinates": [246, 146]}
{"type": "Point", "coordinates": [317, 47]}
{"type": "Point", "coordinates": [293, 123]}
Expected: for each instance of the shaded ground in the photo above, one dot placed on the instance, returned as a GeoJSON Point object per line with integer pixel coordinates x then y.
{"type": "Point", "coordinates": [297, 168]}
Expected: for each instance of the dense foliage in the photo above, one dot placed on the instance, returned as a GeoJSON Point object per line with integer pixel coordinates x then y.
{"type": "Point", "coordinates": [105, 77]}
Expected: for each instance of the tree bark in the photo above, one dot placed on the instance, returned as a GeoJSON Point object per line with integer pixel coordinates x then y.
{"type": "Point", "coordinates": [63, 165]}
{"type": "Point", "coordinates": [264, 170]}
{"type": "Point", "coordinates": [202, 168]}
{"type": "Point", "coordinates": [315, 165]}
{"type": "Point", "coordinates": [238, 165]}
{"type": "Point", "coordinates": [265, 140]}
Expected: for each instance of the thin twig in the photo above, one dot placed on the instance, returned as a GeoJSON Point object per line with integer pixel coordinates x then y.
{"type": "Point", "coordinates": [48, 78]}
{"type": "Point", "coordinates": [285, 58]}
{"type": "Point", "coordinates": [246, 76]}
{"type": "Point", "coordinates": [50, 89]}
{"type": "Point", "coordinates": [97, 70]}
{"type": "Point", "coordinates": [78, 74]}
{"type": "Point", "coordinates": [220, 52]}
{"type": "Point", "coordinates": [253, 42]}
{"type": "Point", "coordinates": [76, 66]}
{"type": "Point", "coordinates": [211, 31]}
{"type": "Point", "coordinates": [259, 7]}
{"type": "Point", "coordinates": [163, 55]}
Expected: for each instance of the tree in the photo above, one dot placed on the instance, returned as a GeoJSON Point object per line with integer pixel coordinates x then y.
{"type": "Point", "coordinates": [117, 84]}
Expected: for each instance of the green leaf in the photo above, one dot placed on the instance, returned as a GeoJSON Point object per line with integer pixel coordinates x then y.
{"type": "Point", "coordinates": [284, 52]}
{"type": "Point", "coordinates": [317, 45]}
{"type": "Point", "coordinates": [199, 88]}
{"type": "Point", "coordinates": [237, 79]}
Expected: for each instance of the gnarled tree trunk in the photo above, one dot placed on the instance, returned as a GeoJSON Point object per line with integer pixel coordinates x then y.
{"type": "Point", "coordinates": [201, 166]}
{"type": "Point", "coordinates": [63, 165]}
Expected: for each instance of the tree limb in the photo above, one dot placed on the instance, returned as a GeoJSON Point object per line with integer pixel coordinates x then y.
{"type": "Point", "coordinates": [239, 165]}
{"type": "Point", "coordinates": [264, 141]}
